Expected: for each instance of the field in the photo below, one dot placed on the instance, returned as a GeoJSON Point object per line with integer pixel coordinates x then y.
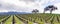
{"type": "Point", "coordinates": [30, 19]}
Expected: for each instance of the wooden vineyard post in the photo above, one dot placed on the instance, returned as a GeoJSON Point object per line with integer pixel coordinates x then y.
{"type": "Point", "coordinates": [13, 20]}
{"type": "Point", "coordinates": [1, 23]}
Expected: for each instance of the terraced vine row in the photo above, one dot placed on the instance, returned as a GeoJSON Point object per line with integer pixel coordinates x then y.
{"type": "Point", "coordinates": [30, 19]}
{"type": "Point", "coordinates": [3, 18]}
{"type": "Point", "coordinates": [41, 18]}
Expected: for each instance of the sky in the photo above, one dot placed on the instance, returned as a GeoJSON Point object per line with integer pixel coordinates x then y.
{"type": "Point", "coordinates": [28, 5]}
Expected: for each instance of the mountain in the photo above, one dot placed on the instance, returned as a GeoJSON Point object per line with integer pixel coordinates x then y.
{"type": "Point", "coordinates": [13, 13]}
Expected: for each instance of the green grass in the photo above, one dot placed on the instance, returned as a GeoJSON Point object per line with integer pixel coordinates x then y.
{"type": "Point", "coordinates": [3, 18]}
{"type": "Point", "coordinates": [17, 21]}
{"type": "Point", "coordinates": [9, 21]}
{"type": "Point", "coordinates": [29, 22]}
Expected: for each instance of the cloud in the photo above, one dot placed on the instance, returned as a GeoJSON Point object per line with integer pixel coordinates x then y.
{"type": "Point", "coordinates": [30, 0]}
{"type": "Point", "coordinates": [27, 5]}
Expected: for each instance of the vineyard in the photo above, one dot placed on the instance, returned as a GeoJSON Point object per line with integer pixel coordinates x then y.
{"type": "Point", "coordinates": [30, 19]}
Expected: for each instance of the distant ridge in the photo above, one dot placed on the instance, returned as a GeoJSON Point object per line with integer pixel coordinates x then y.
{"type": "Point", "coordinates": [13, 13]}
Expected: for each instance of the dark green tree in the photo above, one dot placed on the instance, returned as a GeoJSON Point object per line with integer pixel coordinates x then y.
{"type": "Point", "coordinates": [50, 8]}
{"type": "Point", "coordinates": [35, 11]}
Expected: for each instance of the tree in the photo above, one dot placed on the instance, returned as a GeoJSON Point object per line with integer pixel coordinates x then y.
{"type": "Point", "coordinates": [35, 11]}
{"type": "Point", "coordinates": [50, 8]}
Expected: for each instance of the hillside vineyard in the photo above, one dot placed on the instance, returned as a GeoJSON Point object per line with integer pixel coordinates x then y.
{"type": "Point", "coordinates": [30, 19]}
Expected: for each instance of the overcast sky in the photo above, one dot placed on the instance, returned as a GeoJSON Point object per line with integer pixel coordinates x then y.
{"type": "Point", "coordinates": [28, 5]}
